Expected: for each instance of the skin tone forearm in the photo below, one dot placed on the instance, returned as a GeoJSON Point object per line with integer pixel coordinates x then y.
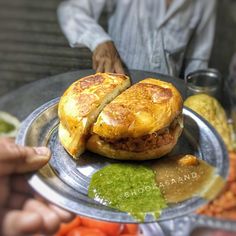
{"type": "Point", "coordinates": [106, 59]}
{"type": "Point", "coordinates": [20, 212]}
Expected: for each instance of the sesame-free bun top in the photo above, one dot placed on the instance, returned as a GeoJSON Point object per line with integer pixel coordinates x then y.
{"type": "Point", "coordinates": [144, 108]}
{"type": "Point", "coordinates": [80, 105]}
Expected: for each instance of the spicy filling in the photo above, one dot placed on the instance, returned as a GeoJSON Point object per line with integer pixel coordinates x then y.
{"type": "Point", "coordinates": [148, 141]}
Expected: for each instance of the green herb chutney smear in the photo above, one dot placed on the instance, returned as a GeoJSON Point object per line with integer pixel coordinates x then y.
{"type": "Point", "coordinates": [128, 187]}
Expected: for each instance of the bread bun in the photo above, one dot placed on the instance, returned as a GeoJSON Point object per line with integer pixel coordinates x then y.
{"type": "Point", "coordinates": [81, 104]}
{"type": "Point", "coordinates": [141, 123]}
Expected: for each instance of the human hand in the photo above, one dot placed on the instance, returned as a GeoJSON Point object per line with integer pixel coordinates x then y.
{"type": "Point", "coordinates": [107, 59]}
{"type": "Point", "coordinates": [20, 212]}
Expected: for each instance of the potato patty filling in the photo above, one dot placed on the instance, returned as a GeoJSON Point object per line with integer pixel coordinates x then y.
{"type": "Point", "coordinates": [148, 141]}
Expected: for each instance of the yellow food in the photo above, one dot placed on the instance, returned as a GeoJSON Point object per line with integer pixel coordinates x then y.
{"type": "Point", "coordinates": [144, 122]}
{"type": "Point", "coordinates": [210, 109]}
{"type": "Point", "coordinates": [101, 114]}
{"type": "Point", "coordinates": [80, 105]}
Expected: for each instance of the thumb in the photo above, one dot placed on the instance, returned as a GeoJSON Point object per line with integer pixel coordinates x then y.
{"type": "Point", "coordinates": [35, 158]}
{"type": "Point", "coordinates": [18, 159]}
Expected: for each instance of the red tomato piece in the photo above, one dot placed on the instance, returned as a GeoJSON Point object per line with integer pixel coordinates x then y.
{"type": "Point", "coordinates": [67, 227]}
{"type": "Point", "coordinates": [84, 231]}
{"type": "Point", "coordinates": [111, 229]}
{"type": "Point", "coordinates": [130, 229]}
{"type": "Point", "coordinates": [128, 234]}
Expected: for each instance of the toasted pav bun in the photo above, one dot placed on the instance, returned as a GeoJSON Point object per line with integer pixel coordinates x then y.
{"type": "Point", "coordinates": [144, 122]}
{"type": "Point", "coordinates": [81, 104]}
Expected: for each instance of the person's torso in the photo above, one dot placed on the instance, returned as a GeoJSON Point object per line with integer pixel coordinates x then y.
{"type": "Point", "coordinates": [145, 32]}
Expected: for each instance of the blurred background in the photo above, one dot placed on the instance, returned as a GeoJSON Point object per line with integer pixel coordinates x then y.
{"type": "Point", "coordinates": [32, 45]}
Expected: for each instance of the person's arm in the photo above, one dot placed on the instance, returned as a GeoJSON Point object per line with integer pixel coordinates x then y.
{"type": "Point", "coordinates": [199, 49]}
{"type": "Point", "coordinates": [107, 59]}
{"type": "Point", "coordinates": [20, 213]}
{"type": "Point", "coordinates": [78, 20]}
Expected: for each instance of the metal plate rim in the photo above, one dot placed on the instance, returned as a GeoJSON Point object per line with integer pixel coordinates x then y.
{"type": "Point", "coordinates": [35, 179]}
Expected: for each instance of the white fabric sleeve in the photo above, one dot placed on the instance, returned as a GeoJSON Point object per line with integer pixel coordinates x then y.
{"type": "Point", "coordinates": [78, 21]}
{"type": "Point", "coordinates": [199, 49]}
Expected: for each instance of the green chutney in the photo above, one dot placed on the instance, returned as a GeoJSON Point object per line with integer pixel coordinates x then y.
{"type": "Point", "coordinates": [6, 127]}
{"type": "Point", "coordinates": [128, 187]}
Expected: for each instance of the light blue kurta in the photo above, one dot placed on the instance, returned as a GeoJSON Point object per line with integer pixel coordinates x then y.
{"type": "Point", "coordinates": [147, 35]}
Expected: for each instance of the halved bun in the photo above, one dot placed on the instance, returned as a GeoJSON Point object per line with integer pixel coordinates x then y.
{"type": "Point", "coordinates": [81, 104]}
{"type": "Point", "coordinates": [144, 122]}
{"type": "Point", "coordinates": [144, 108]}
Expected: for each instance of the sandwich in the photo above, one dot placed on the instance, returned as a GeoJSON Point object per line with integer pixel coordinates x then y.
{"type": "Point", "coordinates": [81, 104]}
{"type": "Point", "coordinates": [144, 122]}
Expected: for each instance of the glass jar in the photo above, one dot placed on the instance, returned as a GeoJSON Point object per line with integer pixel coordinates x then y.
{"type": "Point", "coordinates": [207, 81]}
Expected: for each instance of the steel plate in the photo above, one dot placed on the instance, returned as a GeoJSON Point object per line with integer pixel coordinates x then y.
{"type": "Point", "coordinates": [65, 181]}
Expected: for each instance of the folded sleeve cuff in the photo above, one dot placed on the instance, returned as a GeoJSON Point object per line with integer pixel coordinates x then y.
{"type": "Point", "coordinates": [91, 40]}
